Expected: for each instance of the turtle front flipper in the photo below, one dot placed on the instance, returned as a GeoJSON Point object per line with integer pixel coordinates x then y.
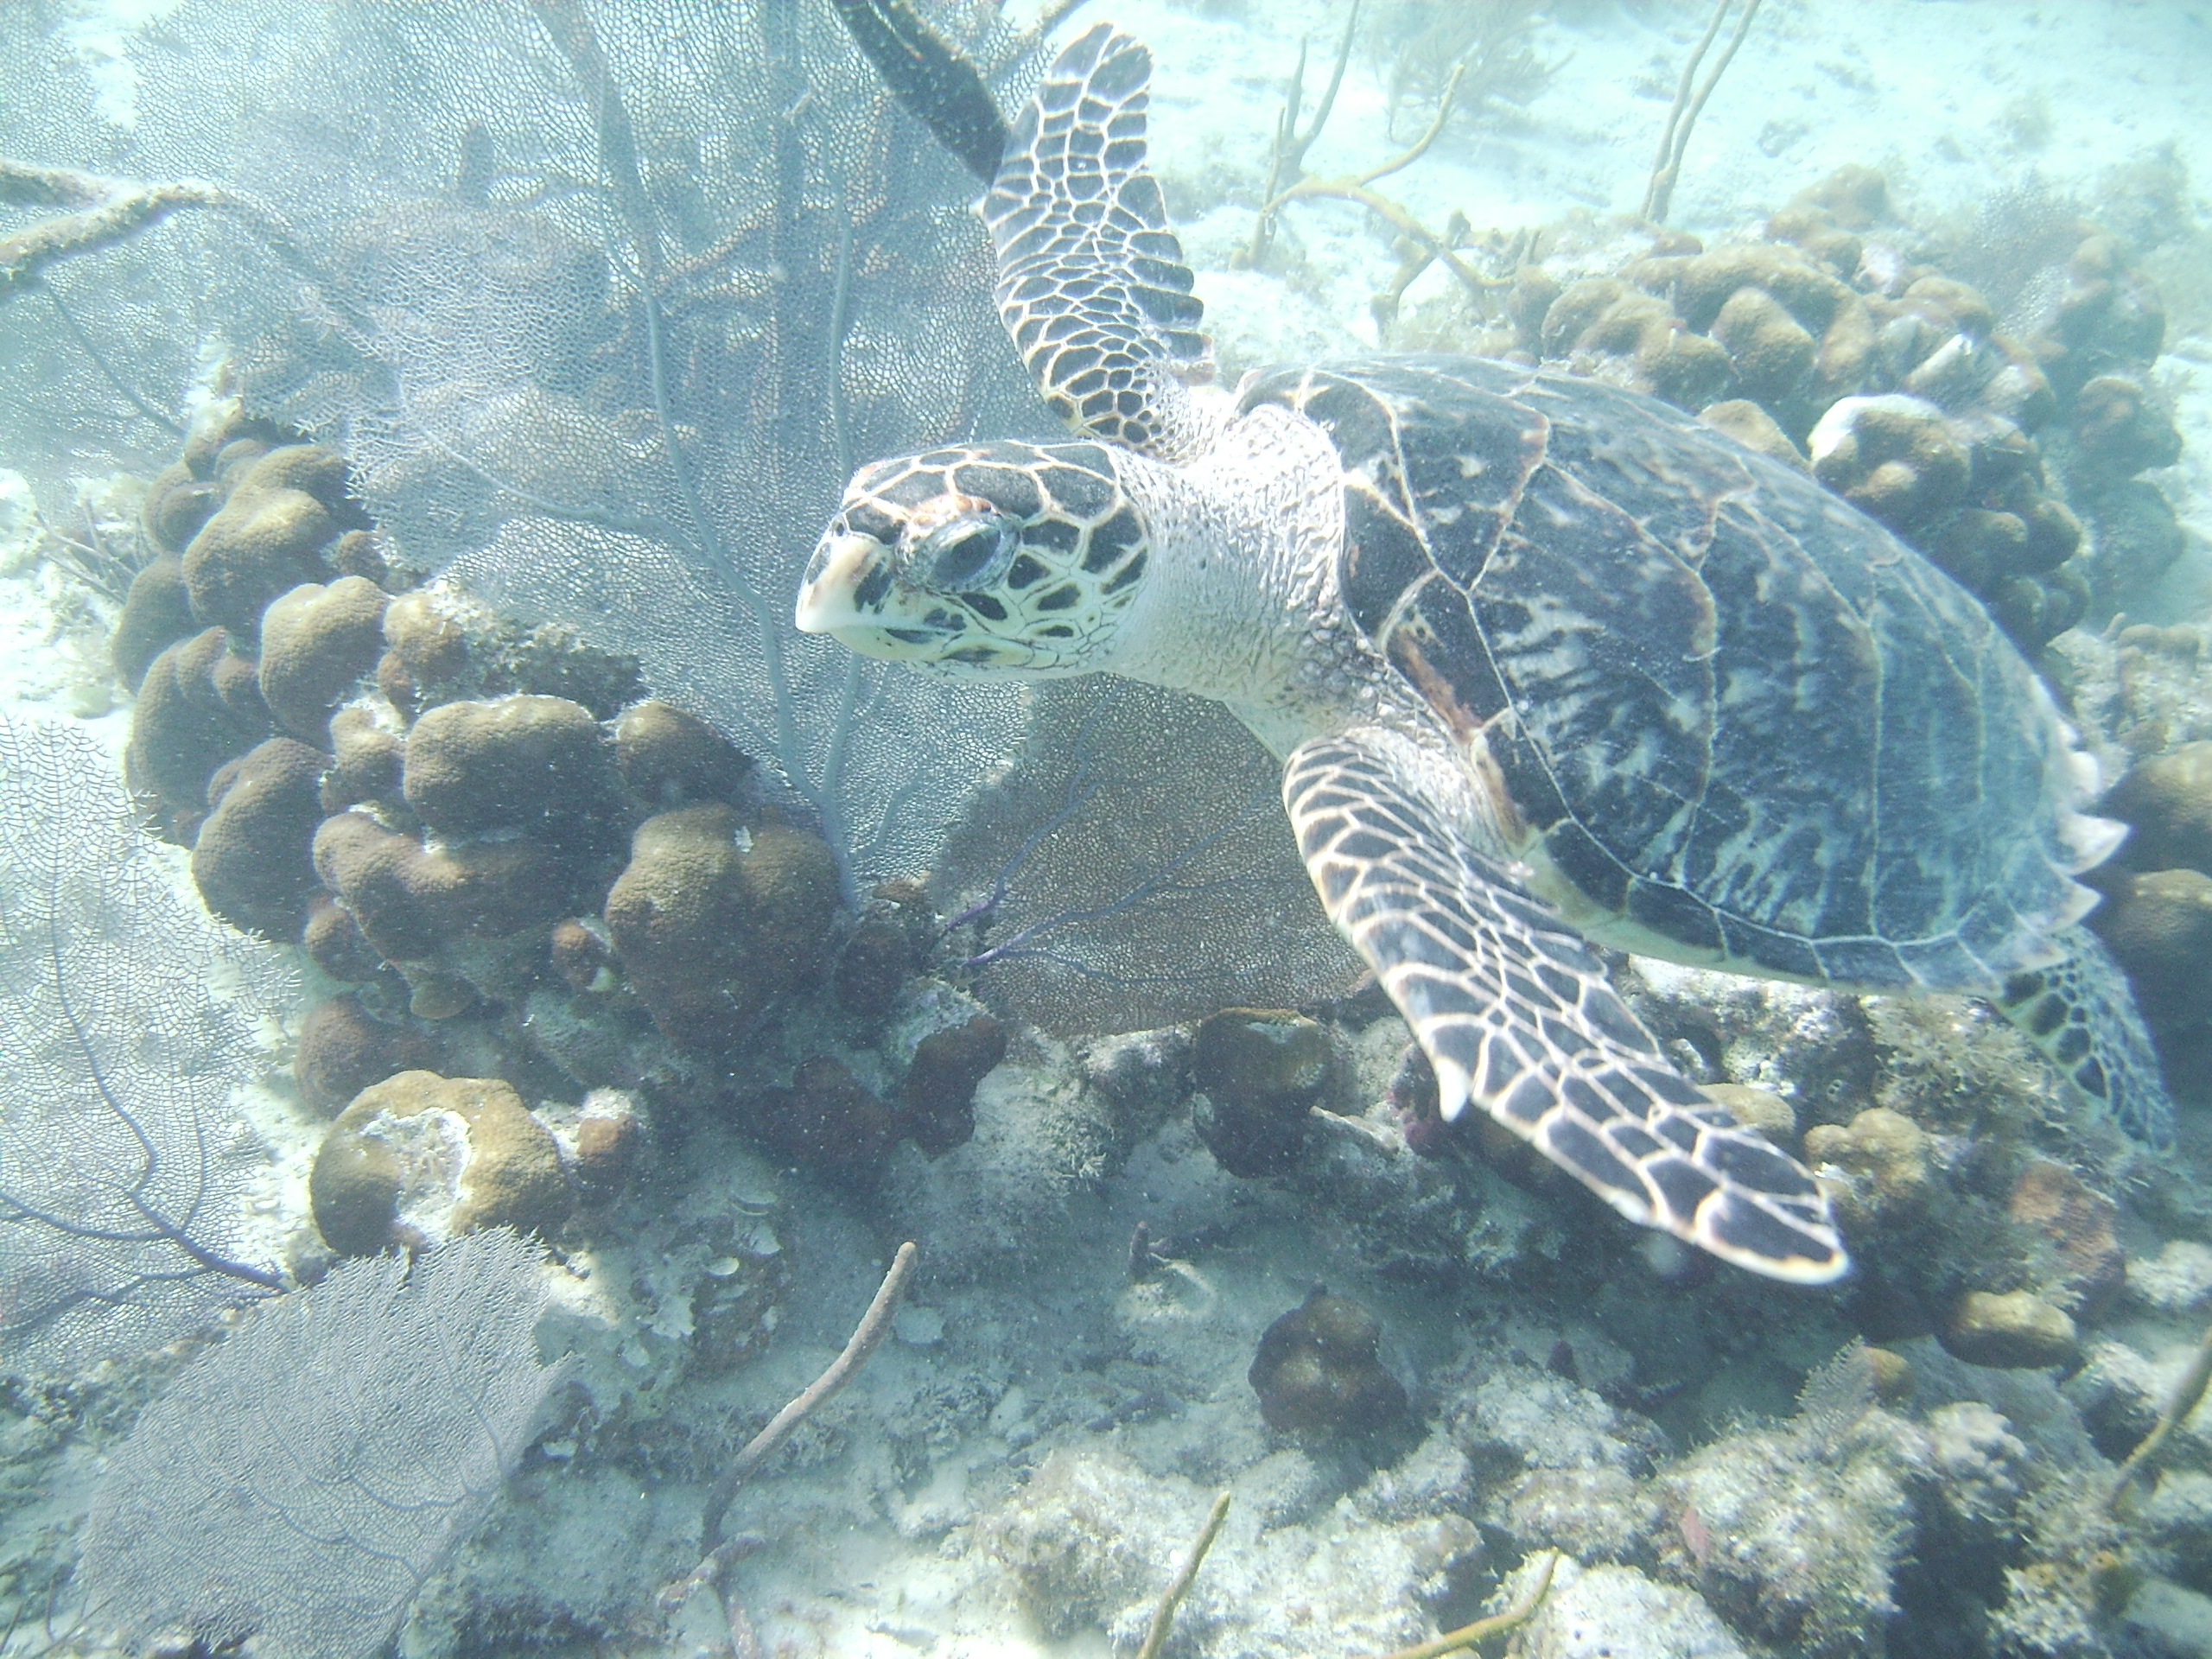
{"type": "Point", "coordinates": [1091, 282]}
{"type": "Point", "coordinates": [1514, 1011]}
{"type": "Point", "coordinates": [2080, 1011]}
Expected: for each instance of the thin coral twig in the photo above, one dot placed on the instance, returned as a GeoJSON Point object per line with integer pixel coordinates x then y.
{"type": "Point", "coordinates": [1497, 1624]}
{"type": "Point", "coordinates": [1287, 156]}
{"type": "Point", "coordinates": [867, 1336]}
{"type": "Point", "coordinates": [1163, 1616]}
{"type": "Point", "coordinates": [1359, 187]}
{"type": "Point", "coordinates": [2188, 1392]}
{"type": "Point", "coordinates": [1667, 168]}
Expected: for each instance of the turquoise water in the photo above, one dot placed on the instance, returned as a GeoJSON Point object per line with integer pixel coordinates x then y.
{"type": "Point", "coordinates": [503, 937]}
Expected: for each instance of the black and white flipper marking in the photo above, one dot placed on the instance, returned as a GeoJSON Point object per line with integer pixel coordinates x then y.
{"type": "Point", "coordinates": [1513, 1011]}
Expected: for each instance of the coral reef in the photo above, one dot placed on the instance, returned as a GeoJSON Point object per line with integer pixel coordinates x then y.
{"type": "Point", "coordinates": [1985, 449]}
{"type": "Point", "coordinates": [595, 976]}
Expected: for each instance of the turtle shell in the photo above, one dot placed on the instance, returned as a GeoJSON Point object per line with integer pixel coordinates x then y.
{"type": "Point", "coordinates": [1737, 715]}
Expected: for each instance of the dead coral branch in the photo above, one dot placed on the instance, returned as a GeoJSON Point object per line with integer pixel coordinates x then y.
{"type": "Point", "coordinates": [104, 212]}
{"type": "Point", "coordinates": [1420, 246]}
{"type": "Point", "coordinates": [1689, 105]}
{"type": "Point", "coordinates": [1163, 1616]}
{"type": "Point", "coordinates": [867, 1336]}
{"type": "Point", "coordinates": [1287, 157]}
{"type": "Point", "coordinates": [2189, 1391]}
{"type": "Point", "coordinates": [1482, 1629]}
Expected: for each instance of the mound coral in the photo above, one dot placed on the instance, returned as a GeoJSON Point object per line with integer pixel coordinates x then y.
{"type": "Point", "coordinates": [198, 705]}
{"type": "Point", "coordinates": [315, 642]}
{"type": "Point", "coordinates": [251, 858]}
{"type": "Point", "coordinates": [408, 897]}
{"type": "Point", "coordinates": [2014, 1330]}
{"type": "Point", "coordinates": [535, 764]}
{"type": "Point", "coordinates": [714, 920]}
{"type": "Point", "coordinates": [343, 1048]}
{"type": "Point", "coordinates": [1915, 406]}
{"type": "Point", "coordinates": [419, 1158]}
{"type": "Point", "coordinates": [669, 757]}
{"type": "Point", "coordinates": [282, 507]}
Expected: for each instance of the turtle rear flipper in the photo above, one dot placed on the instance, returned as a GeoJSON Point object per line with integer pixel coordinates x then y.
{"type": "Point", "coordinates": [1091, 282]}
{"type": "Point", "coordinates": [1513, 1011]}
{"type": "Point", "coordinates": [2080, 1011]}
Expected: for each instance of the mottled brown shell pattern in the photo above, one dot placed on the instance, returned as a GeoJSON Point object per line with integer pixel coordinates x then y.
{"type": "Point", "coordinates": [1726, 707]}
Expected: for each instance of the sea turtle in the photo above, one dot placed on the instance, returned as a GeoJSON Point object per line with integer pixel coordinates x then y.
{"type": "Point", "coordinates": [1547, 663]}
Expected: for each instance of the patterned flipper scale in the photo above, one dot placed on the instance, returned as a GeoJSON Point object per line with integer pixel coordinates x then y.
{"type": "Point", "coordinates": [1091, 282]}
{"type": "Point", "coordinates": [1514, 1011]}
{"type": "Point", "coordinates": [2080, 1013]}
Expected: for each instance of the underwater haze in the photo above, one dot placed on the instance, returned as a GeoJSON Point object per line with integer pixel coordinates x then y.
{"type": "Point", "coordinates": [1188, 829]}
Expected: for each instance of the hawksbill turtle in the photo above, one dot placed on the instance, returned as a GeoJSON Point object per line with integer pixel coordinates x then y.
{"type": "Point", "coordinates": [1548, 664]}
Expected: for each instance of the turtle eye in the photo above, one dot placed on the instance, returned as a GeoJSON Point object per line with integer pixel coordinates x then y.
{"type": "Point", "coordinates": [973, 550]}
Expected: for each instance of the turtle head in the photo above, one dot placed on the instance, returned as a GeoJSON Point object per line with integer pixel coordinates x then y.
{"type": "Point", "coordinates": [989, 560]}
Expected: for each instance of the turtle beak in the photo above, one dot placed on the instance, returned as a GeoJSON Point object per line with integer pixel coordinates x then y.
{"type": "Point", "coordinates": [844, 573]}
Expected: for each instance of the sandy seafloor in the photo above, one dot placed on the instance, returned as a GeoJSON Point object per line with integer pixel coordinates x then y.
{"type": "Point", "coordinates": [1016, 1471]}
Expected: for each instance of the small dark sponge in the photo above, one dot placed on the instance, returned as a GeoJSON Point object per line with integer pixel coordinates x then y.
{"type": "Point", "coordinates": [937, 1099]}
{"type": "Point", "coordinates": [1263, 1071]}
{"type": "Point", "coordinates": [827, 1119]}
{"type": "Point", "coordinates": [1319, 1374]}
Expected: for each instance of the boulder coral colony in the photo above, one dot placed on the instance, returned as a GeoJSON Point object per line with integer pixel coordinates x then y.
{"type": "Point", "coordinates": [577, 967]}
